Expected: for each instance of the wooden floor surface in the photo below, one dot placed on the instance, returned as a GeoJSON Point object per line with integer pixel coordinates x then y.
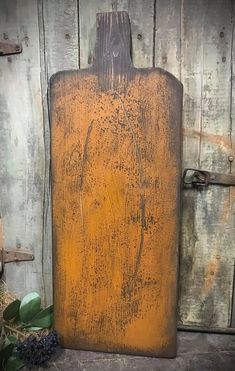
{"type": "Point", "coordinates": [196, 352]}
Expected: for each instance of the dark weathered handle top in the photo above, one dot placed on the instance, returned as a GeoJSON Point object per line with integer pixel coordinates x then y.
{"type": "Point", "coordinates": [113, 43]}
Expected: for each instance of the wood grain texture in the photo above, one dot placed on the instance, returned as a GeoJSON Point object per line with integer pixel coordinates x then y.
{"type": "Point", "coordinates": [208, 245]}
{"type": "Point", "coordinates": [87, 25]}
{"type": "Point", "coordinates": [115, 150]}
{"type": "Point", "coordinates": [21, 144]}
{"type": "Point", "coordinates": [232, 134]}
{"type": "Point", "coordinates": [167, 50]}
{"type": "Point", "coordinates": [141, 15]}
{"type": "Point", "coordinates": [59, 47]}
{"type": "Point", "coordinates": [60, 22]}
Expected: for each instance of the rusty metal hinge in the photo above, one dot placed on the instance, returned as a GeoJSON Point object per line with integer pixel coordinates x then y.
{"type": "Point", "coordinates": [8, 48]}
{"type": "Point", "coordinates": [203, 178]}
{"type": "Point", "coordinates": [14, 255]}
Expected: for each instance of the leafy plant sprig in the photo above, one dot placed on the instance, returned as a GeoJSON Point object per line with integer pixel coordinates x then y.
{"type": "Point", "coordinates": [21, 315]}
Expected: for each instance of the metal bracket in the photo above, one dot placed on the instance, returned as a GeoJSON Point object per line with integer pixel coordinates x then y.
{"type": "Point", "coordinates": [203, 178]}
{"type": "Point", "coordinates": [8, 48]}
{"type": "Point", "coordinates": [14, 255]}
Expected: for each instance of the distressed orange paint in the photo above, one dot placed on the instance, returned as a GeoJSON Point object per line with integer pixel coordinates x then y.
{"type": "Point", "coordinates": [115, 182]}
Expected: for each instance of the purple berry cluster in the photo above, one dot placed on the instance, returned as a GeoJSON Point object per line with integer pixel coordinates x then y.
{"type": "Point", "coordinates": [37, 352]}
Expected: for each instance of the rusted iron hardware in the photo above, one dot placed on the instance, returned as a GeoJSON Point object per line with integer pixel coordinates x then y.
{"type": "Point", "coordinates": [8, 48]}
{"type": "Point", "coordinates": [203, 178]}
{"type": "Point", "coordinates": [14, 255]}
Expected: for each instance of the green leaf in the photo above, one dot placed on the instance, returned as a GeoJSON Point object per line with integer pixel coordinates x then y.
{"type": "Point", "coordinates": [7, 349]}
{"type": "Point", "coordinates": [29, 307]}
{"type": "Point", "coordinates": [44, 318]}
{"type": "Point", "coordinates": [6, 352]}
{"type": "Point", "coordinates": [14, 363]}
{"type": "Point", "coordinates": [32, 328]}
{"type": "Point", "coordinates": [11, 339]}
{"type": "Point", "coordinates": [17, 321]}
{"type": "Point", "coordinates": [11, 310]}
{"type": "Point", "coordinates": [44, 322]}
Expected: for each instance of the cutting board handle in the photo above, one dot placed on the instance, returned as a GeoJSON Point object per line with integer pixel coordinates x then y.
{"type": "Point", "coordinates": [113, 43]}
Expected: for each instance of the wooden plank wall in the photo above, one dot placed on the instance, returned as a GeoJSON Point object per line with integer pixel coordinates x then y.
{"type": "Point", "coordinates": [194, 40]}
{"type": "Point", "coordinates": [208, 244]}
{"type": "Point", "coordinates": [22, 155]}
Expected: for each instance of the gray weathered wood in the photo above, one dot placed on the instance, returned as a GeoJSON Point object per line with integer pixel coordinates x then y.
{"type": "Point", "coordinates": [60, 23]}
{"type": "Point", "coordinates": [142, 29]}
{"type": "Point", "coordinates": [192, 19]}
{"type": "Point", "coordinates": [21, 144]}
{"type": "Point", "coordinates": [59, 40]}
{"type": "Point", "coordinates": [87, 24]}
{"type": "Point", "coordinates": [208, 233]}
{"type": "Point", "coordinates": [232, 133]}
{"type": "Point", "coordinates": [167, 36]}
{"type": "Point", "coordinates": [142, 22]}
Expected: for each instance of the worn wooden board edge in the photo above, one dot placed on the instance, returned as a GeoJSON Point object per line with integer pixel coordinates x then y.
{"type": "Point", "coordinates": [91, 70]}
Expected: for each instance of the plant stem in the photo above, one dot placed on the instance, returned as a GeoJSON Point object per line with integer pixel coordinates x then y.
{"type": "Point", "coordinates": [15, 330]}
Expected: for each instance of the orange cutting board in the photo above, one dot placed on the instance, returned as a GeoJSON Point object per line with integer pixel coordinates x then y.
{"type": "Point", "coordinates": [116, 155]}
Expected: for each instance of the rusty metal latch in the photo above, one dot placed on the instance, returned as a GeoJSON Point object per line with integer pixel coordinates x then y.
{"type": "Point", "coordinates": [203, 178]}
{"type": "Point", "coordinates": [15, 255]}
{"type": "Point", "coordinates": [8, 48]}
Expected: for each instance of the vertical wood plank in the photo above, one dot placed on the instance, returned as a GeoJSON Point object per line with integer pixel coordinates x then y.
{"type": "Point", "coordinates": [191, 57]}
{"type": "Point", "coordinates": [167, 36]}
{"type": "Point", "coordinates": [21, 144]}
{"type": "Point", "coordinates": [208, 232]}
{"type": "Point", "coordinates": [232, 134]}
{"type": "Point", "coordinates": [60, 23]}
{"type": "Point", "coordinates": [87, 23]}
{"type": "Point", "coordinates": [59, 45]}
{"type": "Point", "coordinates": [142, 22]}
{"type": "Point", "coordinates": [141, 15]}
